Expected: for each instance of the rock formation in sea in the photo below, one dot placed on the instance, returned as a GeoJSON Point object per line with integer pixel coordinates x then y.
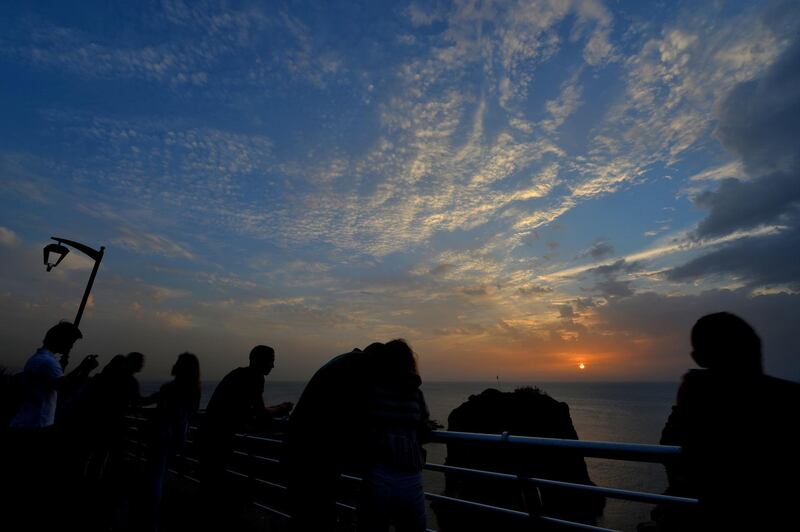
{"type": "Point", "coordinates": [524, 412]}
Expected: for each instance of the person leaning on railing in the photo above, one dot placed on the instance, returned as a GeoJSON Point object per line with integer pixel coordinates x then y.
{"type": "Point", "coordinates": [397, 423]}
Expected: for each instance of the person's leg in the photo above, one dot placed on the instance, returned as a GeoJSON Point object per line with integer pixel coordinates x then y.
{"type": "Point", "coordinates": [312, 499]}
{"type": "Point", "coordinates": [374, 508]}
{"type": "Point", "coordinates": [408, 503]}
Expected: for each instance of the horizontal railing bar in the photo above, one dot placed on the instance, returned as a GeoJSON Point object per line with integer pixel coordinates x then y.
{"type": "Point", "coordinates": [271, 510]}
{"type": "Point", "coordinates": [478, 505]}
{"type": "Point", "coordinates": [595, 449]}
{"type": "Point", "coordinates": [615, 493]}
{"type": "Point", "coordinates": [573, 524]}
{"type": "Point", "coordinates": [231, 471]}
{"type": "Point", "coordinates": [428, 495]}
{"type": "Point", "coordinates": [599, 449]}
{"type": "Point", "coordinates": [623, 451]}
{"type": "Point", "coordinates": [346, 506]}
{"type": "Point", "coordinates": [258, 438]}
{"type": "Point", "coordinates": [515, 513]}
{"type": "Point", "coordinates": [270, 484]}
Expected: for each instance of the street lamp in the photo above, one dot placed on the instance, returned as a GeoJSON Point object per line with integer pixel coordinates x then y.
{"type": "Point", "coordinates": [57, 252]}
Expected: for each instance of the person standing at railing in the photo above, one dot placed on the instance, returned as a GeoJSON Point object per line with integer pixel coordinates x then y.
{"type": "Point", "coordinates": [738, 429]}
{"type": "Point", "coordinates": [177, 401]}
{"type": "Point", "coordinates": [34, 451]}
{"type": "Point", "coordinates": [326, 437]}
{"type": "Point", "coordinates": [93, 425]}
{"type": "Point", "coordinates": [237, 403]}
{"type": "Point", "coordinates": [397, 425]}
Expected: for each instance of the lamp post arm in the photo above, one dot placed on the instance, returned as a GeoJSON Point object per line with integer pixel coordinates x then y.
{"type": "Point", "coordinates": [97, 256]}
{"type": "Point", "coordinates": [92, 253]}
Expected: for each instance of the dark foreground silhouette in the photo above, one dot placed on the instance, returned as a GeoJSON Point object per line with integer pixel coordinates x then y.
{"type": "Point", "coordinates": [739, 431]}
{"type": "Point", "coordinates": [235, 406]}
{"type": "Point", "coordinates": [363, 413]}
{"type": "Point", "coordinates": [524, 412]}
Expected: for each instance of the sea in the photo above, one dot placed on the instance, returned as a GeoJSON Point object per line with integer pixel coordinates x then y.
{"type": "Point", "coordinates": [625, 412]}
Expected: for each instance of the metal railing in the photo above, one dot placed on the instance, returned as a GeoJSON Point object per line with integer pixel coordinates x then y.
{"type": "Point", "coordinates": [605, 450]}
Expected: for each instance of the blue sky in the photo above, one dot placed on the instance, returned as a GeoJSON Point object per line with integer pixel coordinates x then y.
{"type": "Point", "coordinates": [514, 187]}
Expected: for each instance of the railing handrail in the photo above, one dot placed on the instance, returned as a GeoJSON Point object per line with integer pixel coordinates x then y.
{"type": "Point", "coordinates": [637, 452]}
{"type": "Point", "coordinates": [597, 449]}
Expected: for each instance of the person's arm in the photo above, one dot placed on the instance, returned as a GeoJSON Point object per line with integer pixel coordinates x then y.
{"type": "Point", "coordinates": [80, 373]}
{"type": "Point", "coordinates": [426, 426]}
{"type": "Point", "coordinates": [279, 410]}
{"type": "Point", "coordinates": [137, 399]}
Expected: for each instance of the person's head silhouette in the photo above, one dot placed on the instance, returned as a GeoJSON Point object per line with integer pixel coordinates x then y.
{"type": "Point", "coordinates": [262, 359]}
{"type": "Point", "coordinates": [374, 348]}
{"type": "Point", "coordinates": [61, 337]}
{"type": "Point", "coordinates": [135, 361]}
{"type": "Point", "coordinates": [116, 366]}
{"type": "Point", "coordinates": [186, 368]}
{"type": "Point", "coordinates": [397, 362]}
{"type": "Point", "coordinates": [724, 341]}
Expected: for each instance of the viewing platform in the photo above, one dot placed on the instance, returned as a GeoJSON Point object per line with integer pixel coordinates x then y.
{"type": "Point", "coordinates": [259, 489]}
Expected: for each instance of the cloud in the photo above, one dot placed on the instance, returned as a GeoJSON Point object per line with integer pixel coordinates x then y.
{"type": "Point", "coordinates": [477, 291]}
{"type": "Point", "coordinates": [731, 169]}
{"type": "Point", "coordinates": [442, 269]}
{"type": "Point", "coordinates": [612, 288]}
{"type": "Point", "coordinates": [565, 105]}
{"type": "Point", "coordinates": [766, 260]}
{"type": "Point", "coordinates": [599, 250]}
{"type": "Point", "coordinates": [565, 312]}
{"type": "Point", "coordinates": [607, 283]}
{"type": "Point", "coordinates": [176, 320]}
{"type": "Point", "coordinates": [614, 268]}
{"type": "Point", "coordinates": [199, 49]}
{"type": "Point", "coordinates": [8, 237]}
{"type": "Point", "coordinates": [738, 205]}
{"type": "Point", "coordinates": [533, 290]}
{"type": "Point", "coordinates": [760, 123]}
{"type": "Point", "coordinates": [149, 243]}
{"type": "Point", "coordinates": [662, 323]}
{"type": "Point", "coordinates": [759, 119]}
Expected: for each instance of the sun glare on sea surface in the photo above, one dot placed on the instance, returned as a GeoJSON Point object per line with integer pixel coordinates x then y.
{"type": "Point", "coordinates": [581, 366]}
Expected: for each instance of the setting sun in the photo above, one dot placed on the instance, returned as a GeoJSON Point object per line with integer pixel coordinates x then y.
{"type": "Point", "coordinates": [581, 366]}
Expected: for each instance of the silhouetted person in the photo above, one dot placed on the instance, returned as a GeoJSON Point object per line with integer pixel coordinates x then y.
{"type": "Point", "coordinates": [397, 425]}
{"type": "Point", "coordinates": [37, 463]}
{"type": "Point", "coordinates": [43, 377]}
{"type": "Point", "coordinates": [739, 431]}
{"type": "Point", "coordinates": [237, 402]}
{"type": "Point", "coordinates": [326, 436]}
{"type": "Point", "coordinates": [177, 401]}
{"type": "Point", "coordinates": [94, 427]}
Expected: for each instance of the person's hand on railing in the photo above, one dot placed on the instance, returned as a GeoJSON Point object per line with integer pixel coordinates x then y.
{"type": "Point", "coordinates": [280, 410]}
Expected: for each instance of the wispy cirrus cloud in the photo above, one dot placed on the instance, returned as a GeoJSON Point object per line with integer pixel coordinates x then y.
{"type": "Point", "coordinates": [499, 177]}
{"type": "Point", "coordinates": [8, 237]}
{"type": "Point", "coordinates": [149, 243]}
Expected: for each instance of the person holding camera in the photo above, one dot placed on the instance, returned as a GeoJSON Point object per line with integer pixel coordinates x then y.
{"type": "Point", "coordinates": [44, 376]}
{"type": "Point", "coordinates": [35, 445]}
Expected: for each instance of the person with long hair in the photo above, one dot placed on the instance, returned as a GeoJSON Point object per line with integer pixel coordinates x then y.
{"type": "Point", "coordinates": [177, 400]}
{"type": "Point", "coordinates": [737, 427]}
{"type": "Point", "coordinates": [397, 424]}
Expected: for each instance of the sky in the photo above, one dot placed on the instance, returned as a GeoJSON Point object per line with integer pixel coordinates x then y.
{"type": "Point", "coordinates": [515, 187]}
